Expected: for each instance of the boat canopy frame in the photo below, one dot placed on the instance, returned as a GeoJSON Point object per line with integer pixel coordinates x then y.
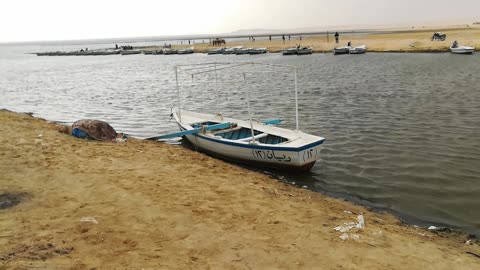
{"type": "Point", "coordinates": [214, 67]}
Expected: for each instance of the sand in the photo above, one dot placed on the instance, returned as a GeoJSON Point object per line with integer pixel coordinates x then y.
{"type": "Point", "coordinates": [76, 204]}
{"type": "Point", "coordinates": [414, 40]}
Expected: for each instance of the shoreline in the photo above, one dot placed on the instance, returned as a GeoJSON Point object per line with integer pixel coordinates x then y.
{"type": "Point", "coordinates": [387, 41]}
{"type": "Point", "coordinates": [84, 204]}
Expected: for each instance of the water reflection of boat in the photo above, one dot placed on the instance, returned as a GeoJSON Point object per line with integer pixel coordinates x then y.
{"type": "Point", "coordinates": [251, 142]}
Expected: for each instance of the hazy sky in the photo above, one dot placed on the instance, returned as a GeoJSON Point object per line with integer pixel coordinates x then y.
{"type": "Point", "coordinates": [22, 20]}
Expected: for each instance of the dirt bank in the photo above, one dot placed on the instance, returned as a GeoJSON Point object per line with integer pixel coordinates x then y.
{"type": "Point", "coordinates": [75, 204]}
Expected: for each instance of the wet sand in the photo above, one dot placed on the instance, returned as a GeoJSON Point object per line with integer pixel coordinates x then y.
{"type": "Point", "coordinates": [76, 204]}
{"type": "Point", "coordinates": [395, 41]}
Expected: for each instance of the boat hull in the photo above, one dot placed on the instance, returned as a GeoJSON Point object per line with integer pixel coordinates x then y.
{"type": "Point", "coordinates": [344, 50]}
{"type": "Point", "coordinates": [462, 50]}
{"type": "Point", "coordinates": [286, 156]}
{"type": "Point", "coordinates": [284, 160]}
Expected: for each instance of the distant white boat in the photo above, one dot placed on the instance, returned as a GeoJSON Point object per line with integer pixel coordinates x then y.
{"type": "Point", "coordinates": [289, 51]}
{"type": "Point", "coordinates": [185, 51]}
{"type": "Point", "coordinates": [462, 49]}
{"type": "Point", "coordinates": [257, 50]}
{"type": "Point", "coordinates": [129, 52]}
{"type": "Point", "coordinates": [169, 51]}
{"type": "Point", "coordinates": [342, 50]}
{"type": "Point", "coordinates": [304, 50]}
{"type": "Point", "coordinates": [358, 50]}
{"type": "Point", "coordinates": [243, 51]}
{"type": "Point", "coordinates": [216, 51]}
{"type": "Point", "coordinates": [232, 50]}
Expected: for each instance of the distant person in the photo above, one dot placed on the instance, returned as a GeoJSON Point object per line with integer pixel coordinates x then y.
{"type": "Point", "coordinates": [283, 37]}
{"type": "Point", "coordinates": [336, 37]}
{"type": "Point", "coordinates": [349, 44]}
{"type": "Point", "coordinates": [288, 37]}
{"type": "Point", "coordinates": [455, 44]}
{"type": "Point", "coordinates": [270, 38]}
{"type": "Point", "coordinates": [116, 46]}
{"type": "Point", "coordinates": [300, 38]}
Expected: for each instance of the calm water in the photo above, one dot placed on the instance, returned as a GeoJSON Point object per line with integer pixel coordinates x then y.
{"type": "Point", "coordinates": [403, 130]}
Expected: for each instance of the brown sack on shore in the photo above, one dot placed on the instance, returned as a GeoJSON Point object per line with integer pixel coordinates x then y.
{"type": "Point", "coordinates": [98, 130]}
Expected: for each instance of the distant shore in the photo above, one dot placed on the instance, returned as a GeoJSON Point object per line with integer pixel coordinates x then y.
{"type": "Point", "coordinates": [377, 41]}
{"type": "Point", "coordinates": [75, 204]}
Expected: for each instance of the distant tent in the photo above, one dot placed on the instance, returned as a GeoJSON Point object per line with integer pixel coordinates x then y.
{"type": "Point", "coordinates": [93, 129]}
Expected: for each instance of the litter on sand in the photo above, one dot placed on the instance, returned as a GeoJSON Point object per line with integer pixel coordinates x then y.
{"type": "Point", "coordinates": [89, 219]}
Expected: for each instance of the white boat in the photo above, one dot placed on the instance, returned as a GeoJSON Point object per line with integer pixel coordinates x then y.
{"type": "Point", "coordinates": [186, 51]}
{"type": "Point", "coordinates": [169, 51]}
{"type": "Point", "coordinates": [358, 50]}
{"type": "Point", "coordinates": [129, 52]}
{"type": "Point", "coordinates": [289, 51]}
{"type": "Point", "coordinates": [245, 141]}
{"type": "Point", "coordinates": [216, 51]}
{"type": "Point", "coordinates": [462, 49]}
{"type": "Point", "coordinates": [232, 50]}
{"type": "Point", "coordinates": [304, 50]}
{"type": "Point", "coordinates": [342, 50]}
{"type": "Point", "coordinates": [243, 51]}
{"type": "Point", "coordinates": [257, 51]}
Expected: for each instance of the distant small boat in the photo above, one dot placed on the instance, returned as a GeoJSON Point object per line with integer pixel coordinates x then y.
{"type": "Point", "coordinates": [186, 51]}
{"type": "Point", "coordinates": [243, 51]}
{"type": "Point", "coordinates": [342, 50]}
{"type": "Point", "coordinates": [216, 51]}
{"type": "Point", "coordinates": [358, 50]}
{"type": "Point", "coordinates": [462, 49]}
{"type": "Point", "coordinates": [232, 50]}
{"type": "Point", "coordinates": [170, 51]}
{"type": "Point", "coordinates": [304, 50]}
{"type": "Point", "coordinates": [129, 52]}
{"type": "Point", "coordinates": [257, 50]}
{"type": "Point", "coordinates": [147, 52]}
{"type": "Point", "coordinates": [289, 51]}
{"type": "Point", "coordinates": [157, 52]}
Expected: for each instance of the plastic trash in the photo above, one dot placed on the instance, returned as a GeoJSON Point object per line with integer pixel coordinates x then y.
{"type": "Point", "coordinates": [361, 222]}
{"type": "Point", "coordinates": [432, 228]}
{"type": "Point", "coordinates": [89, 219]}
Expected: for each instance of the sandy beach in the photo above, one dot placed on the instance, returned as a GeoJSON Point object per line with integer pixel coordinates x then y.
{"type": "Point", "coordinates": [67, 203]}
{"type": "Point", "coordinates": [413, 40]}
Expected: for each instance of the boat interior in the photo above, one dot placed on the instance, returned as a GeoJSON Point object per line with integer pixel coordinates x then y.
{"type": "Point", "coordinates": [242, 134]}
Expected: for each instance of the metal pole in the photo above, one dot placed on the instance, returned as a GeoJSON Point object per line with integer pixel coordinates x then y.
{"type": "Point", "coordinates": [296, 97]}
{"type": "Point", "coordinates": [216, 90]}
{"type": "Point", "coordinates": [248, 106]}
{"type": "Point", "coordinates": [178, 95]}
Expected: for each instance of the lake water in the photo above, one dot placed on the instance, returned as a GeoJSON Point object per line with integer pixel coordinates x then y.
{"type": "Point", "coordinates": [402, 130]}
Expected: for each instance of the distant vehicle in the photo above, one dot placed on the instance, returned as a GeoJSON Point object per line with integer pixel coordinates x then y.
{"type": "Point", "coordinates": [439, 36]}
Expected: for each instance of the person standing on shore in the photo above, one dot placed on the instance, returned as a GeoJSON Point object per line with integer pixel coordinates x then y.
{"type": "Point", "coordinates": [336, 37]}
{"type": "Point", "coordinates": [283, 37]}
